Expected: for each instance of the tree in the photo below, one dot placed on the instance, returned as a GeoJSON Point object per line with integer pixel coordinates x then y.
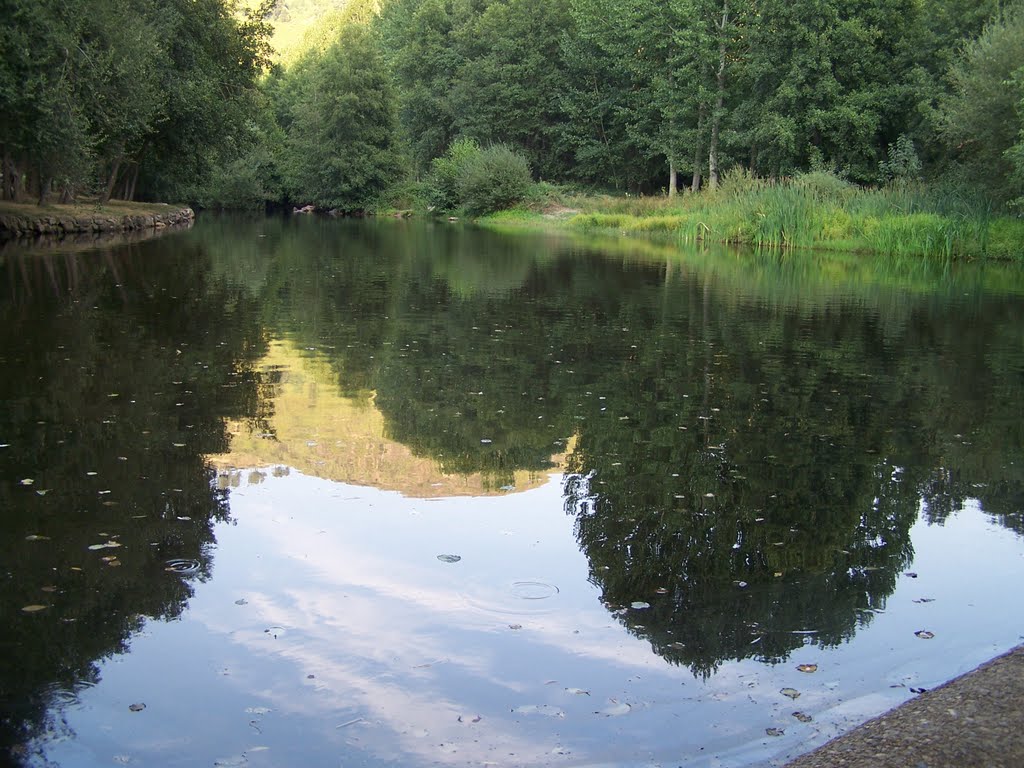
{"type": "Point", "coordinates": [982, 120]}
{"type": "Point", "coordinates": [341, 148]}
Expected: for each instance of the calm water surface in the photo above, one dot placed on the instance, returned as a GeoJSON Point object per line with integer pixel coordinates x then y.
{"type": "Point", "coordinates": [303, 492]}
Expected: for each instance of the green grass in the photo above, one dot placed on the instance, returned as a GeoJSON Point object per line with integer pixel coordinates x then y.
{"type": "Point", "coordinates": [112, 209]}
{"type": "Point", "coordinates": [816, 210]}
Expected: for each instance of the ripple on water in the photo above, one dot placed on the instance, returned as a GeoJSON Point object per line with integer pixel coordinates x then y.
{"type": "Point", "coordinates": [519, 598]}
{"type": "Point", "coordinates": [182, 566]}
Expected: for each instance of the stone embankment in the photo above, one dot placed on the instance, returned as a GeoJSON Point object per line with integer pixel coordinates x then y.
{"type": "Point", "coordinates": [16, 225]}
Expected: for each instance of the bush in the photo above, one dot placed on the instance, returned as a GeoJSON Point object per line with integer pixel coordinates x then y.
{"type": "Point", "coordinates": [495, 179]}
{"type": "Point", "coordinates": [445, 172]}
{"type": "Point", "coordinates": [407, 195]}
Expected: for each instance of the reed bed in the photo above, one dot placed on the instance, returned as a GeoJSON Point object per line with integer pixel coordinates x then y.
{"type": "Point", "coordinates": [817, 210]}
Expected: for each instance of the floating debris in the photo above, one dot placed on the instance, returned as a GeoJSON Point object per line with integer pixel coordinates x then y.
{"type": "Point", "coordinates": [792, 693]}
{"type": "Point", "coordinates": [924, 600]}
{"type": "Point", "coordinates": [577, 691]}
{"type": "Point", "coordinates": [474, 719]}
{"type": "Point", "coordinates": [639, 605]}
{"type": "Point", "coordinates": [808, 667]}
{"type": "Point", "coordinates": [515, 626]}
{"type": "Point", "coordinates": [36, 537]}
{"type": "Point", "coordinates": [27, 481]}
{"type": "Point", "coordinates": [617, 709]}
{"type": "Point", "coordinates": [540, 709]}
{"type": "Point", "coordinates": [449, 558]}
{"type": "Point", "coordinates": [241, 601]}
{"type": "Point", "coordinates": [802, 717]}
{"type": "Point", "coordinates": [910, 575]}
{"type": "Point", "coordinates": [136, 707]}
{"type": "Point", "coordinates": [109, 545]}
{"type": "Point", "coordinates": [924, 634]}
{"type": "Point", "coordinates": [775, 731]}
{"type": "Point", "coordinates": [34, 608]}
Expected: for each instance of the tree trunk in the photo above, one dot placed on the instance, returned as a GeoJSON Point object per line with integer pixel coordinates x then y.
{"type": "Point", "coordinates": [7, 192]}
{"type": "Point", "coordinates": [698, 151]}
{"type": "Point", "coordinates": [45, 182]}
{"type": "Point", "coordinates": [716, 117]}
{"type": "Point", "coordinates": [130, 193]}
{"type": "Point", "coordinates": [673, 182]}
{"type": "Point", "coordinates": [112, 180]}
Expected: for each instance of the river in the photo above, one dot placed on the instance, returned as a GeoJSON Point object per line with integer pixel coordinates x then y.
{"type": "Point", "coordinates": [281, 492]}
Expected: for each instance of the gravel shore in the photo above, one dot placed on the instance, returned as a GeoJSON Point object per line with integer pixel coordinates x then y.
{"type": "Point", "coordinates": [973, 721]}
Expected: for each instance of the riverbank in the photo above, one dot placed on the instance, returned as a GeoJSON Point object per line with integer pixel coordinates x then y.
{"type": "Point", "coordinates": [29, 220]}
{"type": "Point", "coordinates": [973, 720]}
{"type": "Point", "coordinates": [818, 211]}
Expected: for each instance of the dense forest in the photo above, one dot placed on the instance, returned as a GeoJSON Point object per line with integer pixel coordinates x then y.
{"type": "Point", "coordinates": [377, 103]}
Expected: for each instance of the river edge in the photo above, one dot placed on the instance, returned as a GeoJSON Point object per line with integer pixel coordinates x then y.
{"type": "Point", "coordinates": [27, 221]}
{"type": "Point", "coordinates": [972, 720]}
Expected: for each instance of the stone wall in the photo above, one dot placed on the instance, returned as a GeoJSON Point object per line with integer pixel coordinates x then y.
{"type": "Point", "coordinates": [12, 225]}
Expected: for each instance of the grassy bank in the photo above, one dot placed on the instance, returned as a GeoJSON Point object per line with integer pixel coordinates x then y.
{"type": "Point", "coordinates": [815, 210]}
{"type": "Point", "coordinates": [112, 209]}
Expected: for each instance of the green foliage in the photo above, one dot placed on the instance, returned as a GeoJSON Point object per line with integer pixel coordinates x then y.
{"type": "Point", "coordinates": [446, 171]}
{"type": "Point", "coordinates": [902, 163]}
{"type": "Point", "coordinates": [493, 179]}
{"type": "Point", "coordinates": [982, 119]}
{"type": "Point", "coordinates": [340, 150]}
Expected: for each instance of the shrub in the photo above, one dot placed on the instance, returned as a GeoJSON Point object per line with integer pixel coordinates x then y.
{"type": "Point", "coordinates": [445, 172]}
{"type": "Point", "coordinates": [494, 179]}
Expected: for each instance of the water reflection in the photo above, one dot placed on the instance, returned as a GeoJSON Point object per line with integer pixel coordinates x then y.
{"type": "Point", "coordinates": [117, 378]}
{"type": "Point", "coordinates": [731, 454]}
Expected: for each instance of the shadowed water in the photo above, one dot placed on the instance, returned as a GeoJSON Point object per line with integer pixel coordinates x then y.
{"type": "Point", "coordinates": [393, 493]}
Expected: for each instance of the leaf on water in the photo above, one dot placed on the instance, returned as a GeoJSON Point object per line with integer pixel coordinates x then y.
{"type": "Point", "coordinates": [661, 591]}
{"type": "Point", "coordinates": [792, 693]}
{"type": "Point", "coordinates": [639, 605]}
{"type": "Point", "coordinates": [515, 626]}
{"type": "Point", "coordinates": [137, 707]}
{"type": "Point", "coordinates": [910, 575]}
{"type": "Point", "coordinates": [33, 608]}
{"type": "Point", "coordinates": [802, 717]}
{"type": "Point", "coordinates": [540, 709]}
{"type": "Point", "coordinates": [115, 563]}
{"type": "Point", "coordinates": [616, 709]}
{"type": "Point", "coordinates": [109, 545]}
{"type": "Point", "coordinates": [258, 710]}
{"type": "Point", "coordinates": [449, 558]}
{"type": "Point", "coordinates": [241, 601]}
{"type": "Point", "coordinates": [775, 731]}
{"type": "Point", "coordinates": [42, 491]}
{"type": "Point", "coordinates": [235, 761]}
{"type": "Point", "coordinates": [925, 600]}
{"type": "Point", "coordinates": [924, 634]}
{"type": "Point", "coordinates": [485, 441]}
{"type": "Point", "coordinates": [48, 588]}
{"type": "Point", "coordinates": [808, 667]}
{"type": "Point", "coordinates": [27, 481]}
{"type": "Point", "coordinates": [36, 537]}
{"type": "Point", "coordinates": [577, 691]}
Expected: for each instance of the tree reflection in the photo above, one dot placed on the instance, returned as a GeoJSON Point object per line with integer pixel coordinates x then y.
{"type": "Point", "coordinates": [750, 448]}
{"type": "Point", "coordinates": [123, 371]}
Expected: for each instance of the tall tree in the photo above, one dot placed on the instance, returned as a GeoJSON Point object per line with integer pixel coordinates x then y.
{"type": "Point", "coordinates": [982, 120]}
{"type": "Point", "coordinates": [341, 148]}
